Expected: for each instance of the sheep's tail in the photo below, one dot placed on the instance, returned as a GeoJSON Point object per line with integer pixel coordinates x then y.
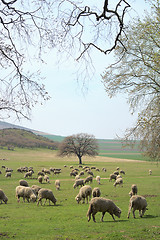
{"type": "Point", "coordinates": [89, 210]}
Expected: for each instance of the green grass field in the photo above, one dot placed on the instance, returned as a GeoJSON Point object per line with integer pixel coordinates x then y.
{"type": "Point", "coordinates": [67, 220]}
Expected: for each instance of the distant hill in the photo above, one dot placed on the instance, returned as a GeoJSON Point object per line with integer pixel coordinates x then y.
{"type": "Point", "coordinates": [14, 137]}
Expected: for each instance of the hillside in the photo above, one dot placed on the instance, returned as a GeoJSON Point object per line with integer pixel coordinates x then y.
{"type": "Point", "coordinates": [13, 137]}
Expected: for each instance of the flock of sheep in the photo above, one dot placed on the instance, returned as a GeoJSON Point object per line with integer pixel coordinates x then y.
{"type": "Point", "coordinates": [96, 204]}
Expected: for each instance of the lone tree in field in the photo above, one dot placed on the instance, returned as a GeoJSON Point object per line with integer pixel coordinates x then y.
{"type": "Point", "coordinates": [81, 144]}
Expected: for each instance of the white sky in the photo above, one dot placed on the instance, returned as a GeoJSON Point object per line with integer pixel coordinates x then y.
{"type": "Point", "coordinates": [70, 111]}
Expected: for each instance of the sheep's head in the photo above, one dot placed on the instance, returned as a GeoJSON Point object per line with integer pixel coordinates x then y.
{"type": "Point", "coordinates": [5, 200]}
{"type": "Point", "coordinates": [33, 197]}
{"type": "Point", "coordinates": [117, 212]}
{"type": "Point", "coordinates": [77, 198]}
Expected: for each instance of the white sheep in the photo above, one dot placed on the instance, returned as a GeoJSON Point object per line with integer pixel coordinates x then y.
{"type": "Point", "coordinates": [122, 172]}
{"type": "Point", "coordinates": [8, 174]}
{"type": "Point", "coordinates": [3, 197]}
{"type": "Point", "coordinates": [23, 183]}
{"type": "Point", "coordinates": [36, 189]}
{"type": "Point", "coordinates": [46, 178]}
{"type": "Point", "coordinates": [134, 190]}
{"type": "Point", "coordinates": [77, 177]}
{"type": "Point", "coordinates": [84, 193]}
{"type": "Point", "coordinates": [119, 182]}
{"type": "Point", "coordinates": [78, 182]}
{"type": "Point", "coordinates": [88, 179]}
{"type": "Point", "coordinates": [118, 176]}
{"type": "Point", "coordinates": [150, 172]}
{"type": "Point", "coordinates": [99, 204]}
{"type": "Point", "coordinates": [98, 179]}
{"type": "Point", "coordinates": [40, 179]}
{"type": "Point", "coordinates": [137, 203]}
{"type": "Point", "coordinates": [47, 194]}
{"type": "Point", "coordinates": [57, 184]}
{"type": "Point", "coordinates": [25, 193]}
{"type": "Point", "coordinates": [96, 192]}
{"type": "Point", "coordinates": [28, 174]}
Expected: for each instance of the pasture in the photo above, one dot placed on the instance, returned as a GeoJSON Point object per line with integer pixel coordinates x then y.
{"type": "Point", "coordinates": [67, 220]}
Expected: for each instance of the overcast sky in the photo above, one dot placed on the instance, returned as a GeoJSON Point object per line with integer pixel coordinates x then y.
{"type": "Point", "coordinates": [72, 110]}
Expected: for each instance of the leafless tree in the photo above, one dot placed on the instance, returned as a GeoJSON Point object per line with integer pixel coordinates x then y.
{"type": "Point", "coordinates": [80, 145]}
{"type": "Point", "coordinates": [28, 28]}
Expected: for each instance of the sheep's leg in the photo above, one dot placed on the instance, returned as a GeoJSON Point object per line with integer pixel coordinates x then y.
{"type": "Point", "coordinates": [45, 201]}
{"type": "Point", "coordinates": [140, 214]}
{"type": "Point", "coordinates": [93, 216]}
{"type": "Point", "coordinates": [83, 200]}
{"type": "Point", "coordinates": [87, 199]}
{"type": "Point", "coordinates": [134, 213]}
{"type": "Point", "coordinates": [103, 213]}
{"type": "Point", "coordinates": [112, 216]}
{"type": "Point", "coordinates": [129, 211]}
{"type": "Point", "coordinates": [143, 211]}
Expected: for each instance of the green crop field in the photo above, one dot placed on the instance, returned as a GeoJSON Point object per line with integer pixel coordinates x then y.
{"type": "Point", "coordinates": [67, 220]}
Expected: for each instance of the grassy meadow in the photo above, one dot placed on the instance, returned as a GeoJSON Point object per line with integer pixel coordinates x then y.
{"type": "Point", "coordinates": [67, 220]}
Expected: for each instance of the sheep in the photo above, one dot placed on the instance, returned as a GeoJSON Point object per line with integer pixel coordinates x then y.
{"type": "Point", "coordinates": [117, 168]}
{"type": "Point", "coordinates": [46, 178]}
{"type": "Point", "coordinates": [41, 173]}
{"type": "Point", "coordinates": [98, 178]}
{"type": "Point", "coordinates": [81, 173]}
{"type": "Point", "coordinates": [40, 179]}
{"type": "Point", "coordinates": [116, 173]}
{"type": "Point", "coordinates": [122, 172]}
{"type": "Point", "coordinates": [96, 192]}
{"type": "Point", "coordinates": [88, 179]}
{"type": "Point", "coordinates": [23, 183]}
{"type": "Point", "coordinates": [104, 169]}
{"type": "Point", "coordinates": [137, 203]}
{"type": "Point", "coordinates": [8, 174]}
{"type": "Point", "coordinates": [3, 197]}
{"type": "Point", "coordinates": [150, 172]}
{"type": "Point", "coordinates": [90, 173]}
{"type": "Point", "coordinates": [84, 193]}
{"type": "Point", "coordinates": [119, 176]}
{"type": "Point", "coordinates": [47, 194]}
{"type": "Point", "coordinates": [77, 177]}
{"type": "Point", "coordinates": [112, 176]}
{"type": "Point", "coordinates": [78, 182]}
{"type": "Point", "coordinates": [99, 204]}
{"type": "Point", "coordinates": [36, 189]}
{"type": "Point", "coordinates": [119, 181]}
{"type": "Point", "coordinates": [25, 192]}
{"type": "Point", "coordinates": [57, 184]}
{"type": "Point", "coordinates": [134, 190]}
{"type": "Point", "coordinates": [72, 174]}
{"type": "Point", "coordinates": [46, 171]}
{"type": "Point", "coordinates": [28, 174]}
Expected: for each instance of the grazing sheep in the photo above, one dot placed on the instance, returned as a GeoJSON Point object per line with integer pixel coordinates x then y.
{"type": "Point", "coordinates": [137, 203]}
{"type": "Point", "coordinates": [26, 193]}
{"type": "Point", "coordinates": [84, 193]}
{"type": "Point", "coordinates": [96, 192]}
{"type": "Point", "coordinates": [90, 173]}
{"type": "Point", "coordinates": [81, 173]}
{"type": "Point", "coordinates": [150, 172]}
{"type": "Point", "coordinates": [104, 169]}
{"type": "Point", "coordinates": [73, 174]}
{"type": "Point", "coordinates": [46, 178]}
{"type": "Point", "coordinates": [117, 168]}
{"type": "Point", "coordinates": [40, 179]}
{"type": "Point", "coordinates": [9, 169]}
{"type": "Point", "coordinates": [23, 183]}
{"type": "Point", "coordinates": [46, 171]}
{"type": "Point", "coordinates": [36, 188]}
{"type": "Point", "coordinates": [57, 184]}
{"type": "Point", "coordinates": [88, 179]}
{"type": "Point", "coordinates": [112, 176]}
{"type": "Point", "coordinates": [78, 182]}
{"type": "Point", "coordinates": [119, 182]}
{"type": "Point", "coordinates": [28, 174]}
{"type": "Point", "coordinates": [3, 197]}
{"type": "Point", "coordinates": [41, 173]}
{"type": "Point", "coordinates": [122, 172]}
{"type": "Point", "coordinates": [8, 174]}
{"type": "Point", "coordinates": [98, 179]}
{"type": "Point", "coordinates": [47, 194]}
{"type": "Point", "coordinates": [119, 176]}
{"type": "Point", "coordinates": [77, 177]}
{"type": "Point", "coordinates": [99, 204]}
{"type": "Point", "coordinates": [134, 190]}
{"type": "Point", "coordinates": [116, 173]}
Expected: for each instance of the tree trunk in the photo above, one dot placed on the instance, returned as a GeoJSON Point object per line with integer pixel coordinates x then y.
{"type": "Point", "coordinates": [80, 159]}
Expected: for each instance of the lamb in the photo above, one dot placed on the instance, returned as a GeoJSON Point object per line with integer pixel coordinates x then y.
{"type": "Point", "coordinates": [88, 179]}
{"type": "Point", "coordinates": [84, 193]}
{"type": "Point", "coordinates": [98, 178]}
{"type": "Point", "coordinates": [40, 179]}
{"type": "Point", "coordinates": [134, 190]}
{"type": "Point", "coordinates": [3, 197]}
{"type": "Point", "coordinates": [119, 181]}
{"type": "Point", "coordinates": [112, 176]}
{"type": "Point", "coordinates": [137, 203]}
{"type": "Point", "coordinates": [47, 194]}
{"type": "Point", "coordinates": [25, 192]}
{"type": "Point", "coordinates": [78, 182]}
{"type": "Point", "coordinates": [23, 183]}
{"type": "Point", "coordinates": [57, 184]}
{"type": "Point", "coordinates": [36, 189]}
{"type": "Point", "coordinates": [96, 192]}
{"type": "Point", "coordinates": [99, 204]}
